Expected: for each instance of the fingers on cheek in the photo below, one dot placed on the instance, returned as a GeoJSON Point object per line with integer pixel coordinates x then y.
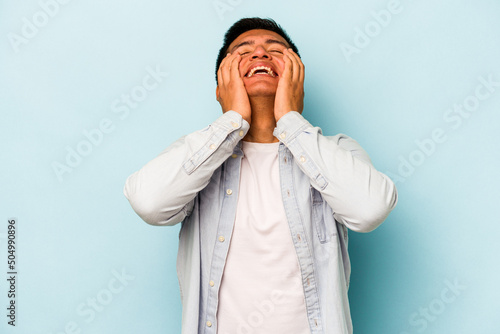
{"type": "Point", "coordinates": [290, 63]}
{"type": "Point", "coordinates": [296, 59]}
{"type": "Point", "coordinates": [235, 63]}
{"type": "Point", "coordinates": [223, 62]}
{"type": "Point", "coordinates": [297, 62]}
{"type": "Point", "coordinates": [230, 66]}
{"type": "Point", "coordinates": [237, 60]}
{"type": "Point", "coordinates": [282, 64]}
{"type": "Point", "coordinates": [239, 67]}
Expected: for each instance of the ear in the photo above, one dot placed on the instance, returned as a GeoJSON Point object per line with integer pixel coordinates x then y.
{"type": "Point", "coordinates": [217, 96]}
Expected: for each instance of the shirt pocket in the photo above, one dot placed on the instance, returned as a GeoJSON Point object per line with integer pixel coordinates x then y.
{"type": "Point", "coordinates": [322, 216]}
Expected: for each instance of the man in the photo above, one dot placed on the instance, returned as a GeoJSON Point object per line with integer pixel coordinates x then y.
{"type": "Point", "coordinates": [265, 199]}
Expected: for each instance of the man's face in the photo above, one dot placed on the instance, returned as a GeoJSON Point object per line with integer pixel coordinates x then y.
{"type": "Point", "coordinates": [258, 48]}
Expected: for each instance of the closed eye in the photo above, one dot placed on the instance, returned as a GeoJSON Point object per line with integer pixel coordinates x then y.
{"type": "Point", "coordinates": [245, 52]}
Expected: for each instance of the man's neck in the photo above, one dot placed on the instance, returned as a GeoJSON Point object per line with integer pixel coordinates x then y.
{"type": "Point", "coordinates": [263, 121]}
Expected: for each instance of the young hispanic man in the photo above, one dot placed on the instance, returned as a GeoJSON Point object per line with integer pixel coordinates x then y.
{"type": "Point", "coordinates": [265, 199]}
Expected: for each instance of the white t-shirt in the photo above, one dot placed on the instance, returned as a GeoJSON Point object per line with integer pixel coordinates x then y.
{"type": "Point", "coordinates": [261, 290]}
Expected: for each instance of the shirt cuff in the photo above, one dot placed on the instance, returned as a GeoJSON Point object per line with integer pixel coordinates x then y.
{"type": "Point", "coordinates": [230, 121]}
{"type": "Point", "coordinates": [289, 126]}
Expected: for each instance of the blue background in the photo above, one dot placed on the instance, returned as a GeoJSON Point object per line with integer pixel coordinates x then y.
{"type": "Point", "coordinates": [76, 232]}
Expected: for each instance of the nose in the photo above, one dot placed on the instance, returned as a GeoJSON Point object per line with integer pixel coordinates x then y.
{"type": "Point", "coordinates": [260, 52]}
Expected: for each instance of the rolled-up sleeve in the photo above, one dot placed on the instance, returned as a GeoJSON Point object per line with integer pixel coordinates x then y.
{"type": "Point", "coordinates": [360, 196]}
{"type": "Point", "coordinates": [163, 191]}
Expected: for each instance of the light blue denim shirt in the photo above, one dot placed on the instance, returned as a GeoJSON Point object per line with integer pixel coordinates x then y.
{"type": "Point", "coordinates": [328, 185]}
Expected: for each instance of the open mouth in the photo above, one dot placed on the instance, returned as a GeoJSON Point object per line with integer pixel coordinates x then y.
{"type": "Point", "coordinates": [261, 70]}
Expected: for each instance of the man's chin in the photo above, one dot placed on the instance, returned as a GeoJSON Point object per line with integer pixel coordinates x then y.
{"type": "Point", "coordinates": [262, 93]}
{"type": "Point", "coordinates": [261, 89]}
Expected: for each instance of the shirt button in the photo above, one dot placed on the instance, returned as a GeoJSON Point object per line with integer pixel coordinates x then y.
{"type": "Point", "coordinates": [234, 155]}
{"type": "Point", "coordinates": [212, 146]}
{"type": "Point", "coordinates": [229, 191]}
{"type": "Point", "coordinates": [209, 324]}
{"type": "Point", "coordinates": [302, 159]}
{"type": "Point", "coordinates": [212, 283]}
{"type": "Point", "coordinates": [221, 238]}
{"type": "Point", "coordinates": [241, 133]}
{"type": "Point", "coordinates": [234, 124]}
{"type": "Point", "coordinates": [283, 135]}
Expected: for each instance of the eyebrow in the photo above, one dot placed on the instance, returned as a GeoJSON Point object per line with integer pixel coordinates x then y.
{"type": "Point", "coordinates": [269, 41]}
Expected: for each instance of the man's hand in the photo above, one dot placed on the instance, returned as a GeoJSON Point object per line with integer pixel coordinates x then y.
{"type": "Point", "coordinates": [231, 92]}
{"type": "Point", "coordinates": [290, 91]}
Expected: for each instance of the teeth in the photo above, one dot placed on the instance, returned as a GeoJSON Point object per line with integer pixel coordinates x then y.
{"type": "Point", "coordinates": [269, 71]}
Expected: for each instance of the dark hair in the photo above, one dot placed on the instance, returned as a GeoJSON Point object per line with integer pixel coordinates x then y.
{"type": "Point", "coordinates": [245, 25]}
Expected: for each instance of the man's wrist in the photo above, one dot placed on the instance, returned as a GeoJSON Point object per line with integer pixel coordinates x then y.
{"type": "Point", "coordinates": [289, 125]}
{"type": "Point", "coordinates": [277, 116]}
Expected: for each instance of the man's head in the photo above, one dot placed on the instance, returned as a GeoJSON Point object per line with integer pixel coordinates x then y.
{"type": "Point", "coordinates": [245, 25]}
